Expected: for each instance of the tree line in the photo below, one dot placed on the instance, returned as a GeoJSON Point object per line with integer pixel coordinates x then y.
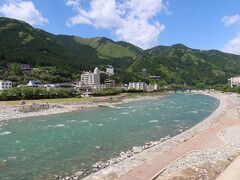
{"type": "Point", "coordinates": [37, 93]}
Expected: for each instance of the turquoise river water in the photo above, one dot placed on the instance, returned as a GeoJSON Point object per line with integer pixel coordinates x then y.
{"type": "Point", "coordinates": [39, 147]}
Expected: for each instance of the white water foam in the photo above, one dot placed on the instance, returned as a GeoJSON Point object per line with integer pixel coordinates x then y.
{"type": "Point", "coordinates": [56, 126]}
{"type": "Point", "coordinates": [5, 133]}
{"type": "Point", "coordinates": [60, 125]}
{"type": "Point", "coordinates": [119, 107]}
{"type": "Point", "coordinates": [72, 120]}
{"type": "Point", "coordinates": [194, 112]}
{"type": "Point", "coordinates": [12, 157]}
{"type": "Point", "coordinates": [153, 121]}
{"type": "Point", "coordinates": [84, 121]}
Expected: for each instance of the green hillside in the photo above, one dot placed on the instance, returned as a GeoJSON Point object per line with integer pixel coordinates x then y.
{"type": "Point", "coordinates": [107, 48]}
{"type": "Point", "coordinates": [61, 58]}
{"type": "Point", "coordinates": [190, 65]}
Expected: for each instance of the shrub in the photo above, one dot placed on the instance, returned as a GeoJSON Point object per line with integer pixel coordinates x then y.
{"type": "Point", "coordinates": [107, 92]}
{"type": "Point", "coordinates": [36, 93]}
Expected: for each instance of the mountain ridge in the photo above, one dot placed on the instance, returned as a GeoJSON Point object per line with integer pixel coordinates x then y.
{"type": "Point", "coordinates": [22, 43]}
{"type": "Point", "coordinates": [108, 39]}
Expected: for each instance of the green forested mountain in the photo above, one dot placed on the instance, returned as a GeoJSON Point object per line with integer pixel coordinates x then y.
{"type": "Point", "coordinates": [60, 58]}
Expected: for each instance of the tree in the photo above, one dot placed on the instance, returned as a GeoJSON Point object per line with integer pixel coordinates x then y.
{"type": "Point", "coordinates": [15, 69]}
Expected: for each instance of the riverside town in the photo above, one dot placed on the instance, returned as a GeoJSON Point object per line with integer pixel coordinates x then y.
{"type": "Point", "coordinates": [119, 90]}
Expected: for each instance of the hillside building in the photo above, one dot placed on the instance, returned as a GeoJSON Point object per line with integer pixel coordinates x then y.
{"type": "Point", "coordinates": [109, 70]}
{"type": "Point", "coordinates": [86, 79]}
{"type": "Point", "coordinates": [96, 77]}
{"type": "Point", "coordinates": [33, 83]}
{"type": "Point", "coordinates": [234, 81]}
{"type": "Point", "coordinates": [137, 86]}
{"type": "Point", "coordinates": [109, 83]}
{"type": "Point", "coordinates": [25, 67]}
{"type": "Point", "coordinates": [91, 79]}
{"type": "Point", "coordinates": [155, 77]}
{"type": "Point", "coordinates": [5, 85]}
{"type": "Point", "coordinates": [152, 87]}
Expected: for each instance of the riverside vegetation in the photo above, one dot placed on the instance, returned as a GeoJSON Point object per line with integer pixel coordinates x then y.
{"type": "Point", "coordinates": [37, 93]}
{"type": "Point", "coordinates": [61, 58]}
{"type": "Point", "coordinates": [27, 93]}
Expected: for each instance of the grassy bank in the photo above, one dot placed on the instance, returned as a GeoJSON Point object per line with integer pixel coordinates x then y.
{"type": "Point", "coordinates": [54, 101]}
{"type": "Point", "coordinates": [85, 99]}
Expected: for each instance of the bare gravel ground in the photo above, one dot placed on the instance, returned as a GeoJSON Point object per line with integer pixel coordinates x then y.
{"type": "Point", "coordinates": [207, 164]}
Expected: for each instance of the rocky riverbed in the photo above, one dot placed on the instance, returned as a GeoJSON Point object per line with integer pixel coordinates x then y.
{"type": "Point", "coordinates": [14, 112]}
{"type": "Point", "coordinates": [121, 157]}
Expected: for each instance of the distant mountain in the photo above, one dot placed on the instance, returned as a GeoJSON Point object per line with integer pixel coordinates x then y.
{"type": "Point", "coordinates": [107, 48]}
{"type": "Point", "coordinates": [191, 65]}
{"type": "Point", "coordinates": [21, 43]}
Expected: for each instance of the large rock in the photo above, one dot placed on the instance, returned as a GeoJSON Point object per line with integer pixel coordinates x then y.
{"type": "Point", "coordinates": [79, 173]}
{"type": "Point", "coordinates": [137, 149]}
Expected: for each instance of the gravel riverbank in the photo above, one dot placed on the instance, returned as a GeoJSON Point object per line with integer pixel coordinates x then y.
{"type": "Point", "coordinates": [207, 164]}
{"type": "Point", "coordinates": [13, 112]}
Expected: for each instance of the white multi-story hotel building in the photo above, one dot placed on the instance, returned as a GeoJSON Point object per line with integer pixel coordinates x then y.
{"type": "Point", "coordinates": [5, 85]}
{"type": "Point", "coordinates": [137, 85]}
{"type": "Point", "coordinates": [234, 81]}
{"type": "Point", "coordinates": [96, 77]}
{"type": "Point", "coordinates": [109, 70]}
{"type": "Point", "coordinates": [91, 79]}
{"type": "Point", "coordinates": [86, 78]}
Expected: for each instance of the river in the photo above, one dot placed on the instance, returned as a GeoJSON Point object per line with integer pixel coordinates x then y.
{"type": "Point", "coordinates": [39, 147]}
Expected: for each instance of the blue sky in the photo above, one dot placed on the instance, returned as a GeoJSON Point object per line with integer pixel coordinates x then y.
{"type": "Point", "coordinates": [200, 24]}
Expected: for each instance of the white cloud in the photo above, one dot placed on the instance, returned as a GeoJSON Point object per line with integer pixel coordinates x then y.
{"type": "Point", "coordinates": [131, 20]}
{"type": "Point", "coordinates": [233, 46]}
{"type": "Point", "coordinates": [22, 10]}
{"type": "Point", "coordinates": [102, 13]}
{"type": "Point", "coordinates": [230, 20]}
{"type": "Point", "coordinates": [72, 3]}
{"type": "Point", "coordinates": [78, 19]}
{"type": "Point", "coordinates": [140, 32]}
